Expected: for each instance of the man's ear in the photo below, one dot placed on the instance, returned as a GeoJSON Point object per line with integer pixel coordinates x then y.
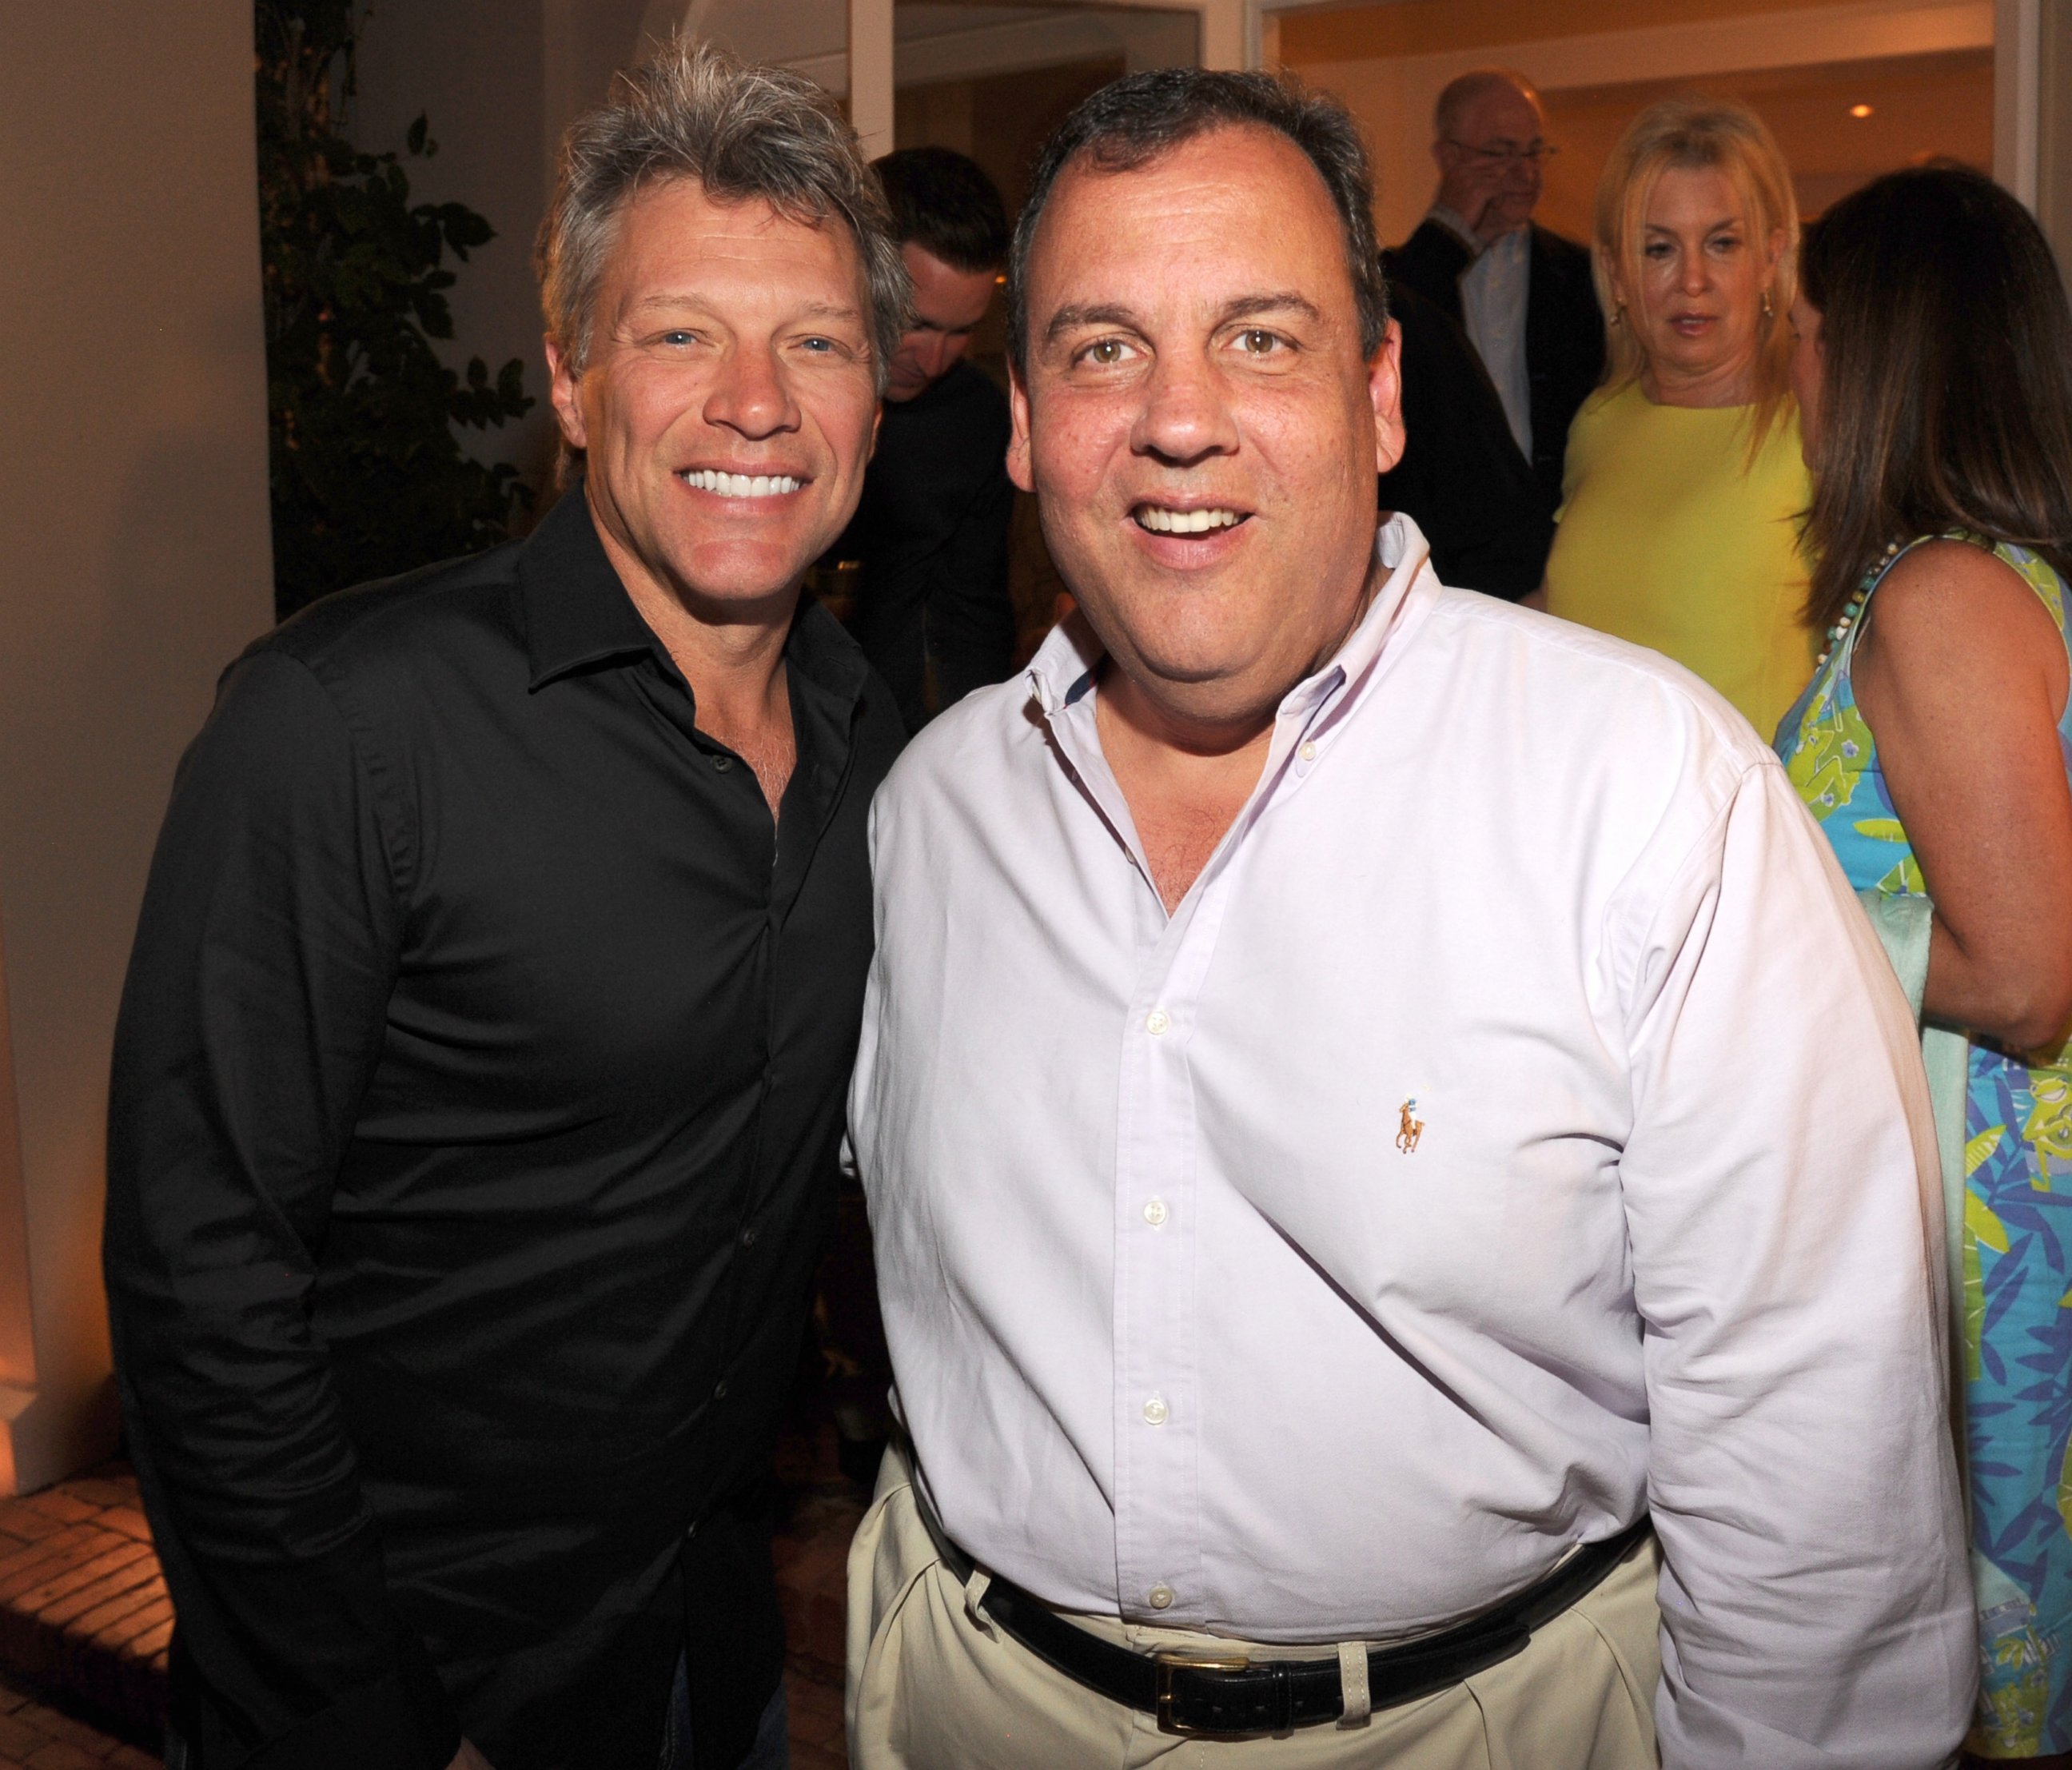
{"type": "Point", "coordinates": [565, 389]}
{"type": "Point", "coordinates": [1019, 468]}
{"type": "Point", "coordinates": [1384, 387]}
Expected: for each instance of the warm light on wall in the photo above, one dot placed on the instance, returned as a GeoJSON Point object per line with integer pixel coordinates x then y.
{"type": "Point", "coordinates": [1860, 111]}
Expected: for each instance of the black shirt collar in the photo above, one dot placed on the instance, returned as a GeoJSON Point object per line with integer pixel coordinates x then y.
{"type": "Point", "coordinates": [577, 611]}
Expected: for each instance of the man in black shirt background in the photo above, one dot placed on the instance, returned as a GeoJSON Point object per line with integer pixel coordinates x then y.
{"type": "Point", "coordinates": [479, 1081]}
{"type": "Point", "coordinates": [931, 609]}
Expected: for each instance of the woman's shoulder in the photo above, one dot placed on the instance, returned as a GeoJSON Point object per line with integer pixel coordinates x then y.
{"type": "Point", "coordinates": [1958, 594]}
{"type": "Point", "coordinates": [1608, 406]}
{"type": "Point", "coordinates": [2038, 572]}
{"type": "Point", "coordinates": [1599, 424]}
{"type": "Point", "coordinates": [1957, 562]}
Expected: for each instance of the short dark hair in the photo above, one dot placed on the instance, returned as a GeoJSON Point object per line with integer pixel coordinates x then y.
{"type": "Point", "coordinates": [1132, 121]}
{"type": "Point", "coordinates": [1946, 375]}
{"type": "Point", "coordinates": [944, 202]}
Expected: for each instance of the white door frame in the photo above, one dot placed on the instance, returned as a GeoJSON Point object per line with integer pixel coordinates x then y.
{"type": "Point", "coordinates": [2017, 94]}
{"type": "Point", "coordinates": [1228, 34]}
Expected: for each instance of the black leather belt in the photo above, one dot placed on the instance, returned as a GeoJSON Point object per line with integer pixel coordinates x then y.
{"type": "Point", "coordinates": [1226, 1695]}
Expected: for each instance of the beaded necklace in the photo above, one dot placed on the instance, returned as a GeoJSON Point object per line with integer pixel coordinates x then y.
{"type": "Point", "coordinates": [1853, 612]}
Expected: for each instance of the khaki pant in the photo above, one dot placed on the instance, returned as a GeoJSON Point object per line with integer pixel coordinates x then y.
{"type": "Point", "coordinates": [931, 1688]}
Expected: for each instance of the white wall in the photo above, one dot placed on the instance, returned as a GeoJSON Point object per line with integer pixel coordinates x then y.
{"type": "Point", "coordinates": [2054, 193]}
{"type": "Point", "coordinates": [138, 564]}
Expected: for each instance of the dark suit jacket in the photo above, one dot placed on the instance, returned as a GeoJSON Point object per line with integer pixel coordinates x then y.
{"type": "Point", "coordinates": [1564, 330]}
{"type": "Point", "coordinates": [1461, 477]}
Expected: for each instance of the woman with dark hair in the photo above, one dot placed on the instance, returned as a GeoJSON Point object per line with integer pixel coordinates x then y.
{"type": "Point", "coordinates": [1934, 370]}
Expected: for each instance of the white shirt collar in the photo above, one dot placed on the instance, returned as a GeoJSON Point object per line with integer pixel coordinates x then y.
{"type": "Point", "coordinates": [1063, 668]}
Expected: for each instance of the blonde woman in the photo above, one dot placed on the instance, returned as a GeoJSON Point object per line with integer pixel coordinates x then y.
{"type": "Point", "coordinates": [1683, 482]}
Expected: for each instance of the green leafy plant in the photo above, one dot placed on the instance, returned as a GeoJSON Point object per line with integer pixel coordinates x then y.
{"type": "Point", "coordinates": [366, 475]}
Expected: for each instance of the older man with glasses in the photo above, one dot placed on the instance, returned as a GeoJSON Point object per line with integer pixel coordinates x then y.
{"type": "Point", "coordinates": [1522, 293]}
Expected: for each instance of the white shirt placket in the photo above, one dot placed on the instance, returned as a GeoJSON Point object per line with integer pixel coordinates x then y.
{"type": "Point", "coordinates": [1157, 1420]}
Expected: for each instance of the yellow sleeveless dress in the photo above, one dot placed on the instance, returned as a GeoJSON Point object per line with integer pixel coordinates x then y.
{"type": "Point", "coordinates": [1670, 538]}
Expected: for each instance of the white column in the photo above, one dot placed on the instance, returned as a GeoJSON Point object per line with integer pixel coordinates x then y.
{"type": "Point", "coordinates": [1230, 32]}
{"type": "Point", "coordinates": [2016, 59]}
{"type": "Point", "coordinates": [2054, 129]}
{"type": "Point", "coordinates": [870, 73]}
{"type": "Point", "coordinates": [139, 564]}
{"type": "Point", "coordinates": [1230, 29]}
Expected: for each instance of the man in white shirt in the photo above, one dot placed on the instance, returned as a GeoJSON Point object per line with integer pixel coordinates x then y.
{"type": "Point", "coordinates": [1522, 293]}
{"type": "Point", "coordinates": [1367, 1097]}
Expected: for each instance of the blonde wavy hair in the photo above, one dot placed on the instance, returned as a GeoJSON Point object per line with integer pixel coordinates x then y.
{"type": "Point", "coordinates": [1720, 135]}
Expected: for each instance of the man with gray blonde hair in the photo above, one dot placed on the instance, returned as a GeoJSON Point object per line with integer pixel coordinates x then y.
{"type": "Point", "coordinates": [478, 1086]}
{"type": "Point", "coordinates": [743, 133]}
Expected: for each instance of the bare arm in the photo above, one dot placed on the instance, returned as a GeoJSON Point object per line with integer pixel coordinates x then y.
{"type": "Point", "coordinates": [1536, 599]}
{"type": "Point", "coordinates": [1961, 676]}
{"type": "Point", "coordinates": [467, 1758]}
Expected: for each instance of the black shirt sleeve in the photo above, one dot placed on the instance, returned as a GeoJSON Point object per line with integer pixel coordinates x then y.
{"type": "Point", "coordinates": [253, 1017]}
{"type": "Point", "coordinates": [970, 618]}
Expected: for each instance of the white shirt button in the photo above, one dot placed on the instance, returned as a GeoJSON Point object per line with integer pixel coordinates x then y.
{"type": "Point", "coordinates": [1155, 1213]}
{"type": "Point", "coordinates": [1308, 753]}
{"type": "Point", "coordinates": [1159, 1597]}
{"type": "Point", "coordinates": [1156, 1413]}
{"type": "Point", "coordinates": [1156, 1021]}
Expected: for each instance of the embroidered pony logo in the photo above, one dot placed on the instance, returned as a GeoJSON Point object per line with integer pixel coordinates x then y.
{"type": "Point", "coordinates": [1413, 1127]}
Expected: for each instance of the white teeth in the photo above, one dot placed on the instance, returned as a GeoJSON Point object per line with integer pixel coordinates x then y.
{"type": "Point", "coordinates": [1185, 522]}
{"type": "Point", "coordinates": [740, 485]}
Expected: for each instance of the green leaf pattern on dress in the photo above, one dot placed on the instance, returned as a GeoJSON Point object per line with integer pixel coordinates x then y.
{"type": "Point", "coordinates": [2016, 1255]}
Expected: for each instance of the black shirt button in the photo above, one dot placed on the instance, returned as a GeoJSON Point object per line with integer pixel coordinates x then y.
{"type": "Point", "coordinates": [721, 764]}
{"type": "Point", "coordinates": [719, 1390]}
{"type": "Point", "coordinates": [748, 1236]}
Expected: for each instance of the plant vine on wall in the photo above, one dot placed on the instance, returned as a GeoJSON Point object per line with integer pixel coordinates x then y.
{"type": "Point", "coordinates": [366, 475]}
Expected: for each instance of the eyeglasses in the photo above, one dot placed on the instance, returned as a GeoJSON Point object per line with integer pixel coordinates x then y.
{"type": "Point", "coordinates": [1535, 155]}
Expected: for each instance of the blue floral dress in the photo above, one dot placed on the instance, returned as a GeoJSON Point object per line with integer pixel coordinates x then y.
{"type": "Point", "coordinates": [2017, 1245]}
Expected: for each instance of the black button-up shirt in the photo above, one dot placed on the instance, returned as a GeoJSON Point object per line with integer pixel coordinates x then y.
{"type": "Point", "coordinates": [477, 1094]}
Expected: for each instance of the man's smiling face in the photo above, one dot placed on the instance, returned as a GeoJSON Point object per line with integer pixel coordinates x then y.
{"type": "Point", "coordinates": [728, 404]}
{"type": "Point", "coordinates": [1197, 418]}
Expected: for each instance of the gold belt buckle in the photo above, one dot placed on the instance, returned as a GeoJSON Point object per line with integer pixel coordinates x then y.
{"type": "Point", "coordinates": [1170, 1660]}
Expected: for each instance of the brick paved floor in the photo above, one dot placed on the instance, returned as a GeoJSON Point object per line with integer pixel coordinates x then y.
{"type": "Point", "coordinates": [83, 1610]}
{"type": "Point", "coordinates": [34, 1737]}
{"type": "Point", "coordinates": [84, 1614]}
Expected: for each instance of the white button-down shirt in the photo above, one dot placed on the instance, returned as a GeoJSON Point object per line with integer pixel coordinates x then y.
{"type": "Point", "coordinates": [1188, 1326]}
{"type": "Point", "coordinates": [1495, 290]}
